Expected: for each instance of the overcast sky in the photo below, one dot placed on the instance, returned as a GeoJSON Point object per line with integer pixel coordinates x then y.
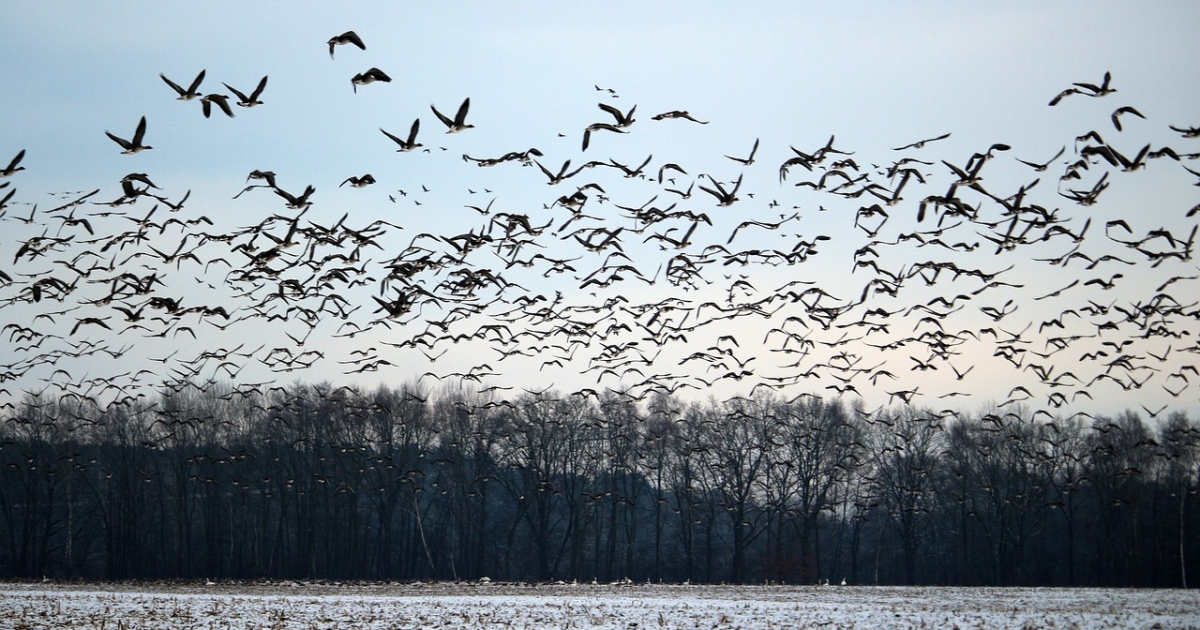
{"type": "Point", "coordinates": [789, 74]}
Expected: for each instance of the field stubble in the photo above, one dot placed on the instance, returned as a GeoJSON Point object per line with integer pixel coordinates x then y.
{"type": "Point", "coordinates": [291, 605]}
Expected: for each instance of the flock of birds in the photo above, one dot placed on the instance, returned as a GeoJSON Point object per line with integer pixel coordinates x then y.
{"type": "Point", "coordinates": [938, 278]}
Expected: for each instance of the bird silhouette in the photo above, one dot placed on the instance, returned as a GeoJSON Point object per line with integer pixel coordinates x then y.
{"type": "Point", "coordinates": [724, 197]}
{"type": "Point", "coordinates": [748, 160]}
{"type": "Point", "coordinates": [12, 167]}
{"type": "Point", "coordinates": [192, 90]}
{"type": "Point", "coordinates": [677, 114]}
{"type": "Point", "coordinates": [370, 76]}
{"type": "Point", "coordinates": [406, 144]}
{"type": "Point", "coordinates": [221, 100]}
{"type": "Point", "coordinates": [133, 145]}
{"type": "Point", "coordinates": [349, 37]}
{"type": "Point", "coordinates": [252, 100]}
{"type": "Point", "coordinates": [459, 123]}
{"type": "Point", "coordinates": [358, 182]}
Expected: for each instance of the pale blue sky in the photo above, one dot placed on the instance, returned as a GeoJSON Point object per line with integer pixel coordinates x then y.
{"type": "Point", "coordinates": [878, 75]}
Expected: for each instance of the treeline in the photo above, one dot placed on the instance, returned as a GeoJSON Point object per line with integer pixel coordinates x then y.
{"type": "Point", "coordinates": [312, 481]}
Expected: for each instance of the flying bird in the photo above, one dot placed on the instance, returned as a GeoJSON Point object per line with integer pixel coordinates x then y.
{"type": "Point", "coordinates": [135, 144]}
{"type": "Point", "coordinates": [252, 100]}
{"type": "Point", "coordinates": [358, 182]}
{"type": "Point", "coordinates": [1091, 90]}
{"type": "Point", "coordinates": [747, 160]}
{"type": "Point", "coordinates": [920, 144]}
{"type": "Point", "coordinates": [1098, 90]}
{"type": "Point", "coordinates": [370, 76]}
{"type": "Point", "coordinates": [409, 144]}
{"type": "Point", "coordinates": [89, 320]}
{"type": "Point", "coordinates": [1116, 115]}
{"type": "Point", "coordinates": [459, 122]}
{"type": "Point", "coordinates": [266, 176]}
{"type": "Point", "coordinates": [221, 100]}
{"type": "Point", "coordinates": [349, 37]}
{"type": "Point", "coordinates": [623, 120]}
{"type": "Point", "coordinates": [297, 202]}
{"type": "Point", "coordinates": [12, 167]}
{"type": "Point", "coordinates": [141, 178]}
{"type": "Point", "coordinates": [1186, 132]}
{"type": "Point", "coordinates": [1044, 165]}
{"type": "Point", "coordinates": [191, 92]}
{"type": "Point", "coordinates": [725, 198]}
{"type": "Point", "coordinates": [562, 172]}
{"type": "Point", "coordinates": [677, 114]}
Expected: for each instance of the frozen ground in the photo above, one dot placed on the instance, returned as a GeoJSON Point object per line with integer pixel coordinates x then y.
{"type": "Point", "coordinates": [391, 606]}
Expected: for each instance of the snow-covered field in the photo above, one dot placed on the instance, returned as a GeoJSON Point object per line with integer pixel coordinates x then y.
{"type": "Point", "coordinates": [392, 606]}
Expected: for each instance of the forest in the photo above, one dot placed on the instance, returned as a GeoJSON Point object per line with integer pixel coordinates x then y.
{"type": "Point", "coordinates": [312, 481]}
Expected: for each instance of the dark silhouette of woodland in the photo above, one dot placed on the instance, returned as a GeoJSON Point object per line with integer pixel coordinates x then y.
{"type": "Point", "coordinates": [311, 481]}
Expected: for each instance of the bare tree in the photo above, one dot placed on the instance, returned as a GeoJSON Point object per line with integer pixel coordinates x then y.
{"type": "Point", "coordinates": [906, 446]}
{"type": "Point", "coordinates": [1179, 445]}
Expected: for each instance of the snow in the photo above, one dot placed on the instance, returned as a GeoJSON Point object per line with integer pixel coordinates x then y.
{"type": "Point", "coordinates": [597, 607]}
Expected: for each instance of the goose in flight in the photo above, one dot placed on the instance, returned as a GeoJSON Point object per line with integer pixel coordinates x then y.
{"type": "Point", "coordinates": [920, 144]}
{"type": "Point", "coordinates": [141, 178]}
{"type": "Point", "coordinates": [135, 144]}
{"type": "Point", "coordinates": [89, 320]}
{"type": "Point", "coordinates": [1087, 89]}
{"type": "Point", "coordinates": [725, 198]}
{"type": "Point", "coordinates": [623, 120]}
{"type": "Point", "coordinates": [411, 143]}
{"type": "Point", "coordinates": [267, 176]}
{"type": "Point", "coordinates": [221, 100]}
{"type": "Point", "coordinates": [297, 202]}
{"type": "Point", "coordinates": [1186, 132]}
{"type": "Point", "coordinates": [1116, 115]}
{"type": "Point", "coordinates": [1044, 165]}
{"type": "Point", "coordinates": [677, 114]}
{"type": "Point", "coordinates": [191, 92]}
{"type": "Point", "coordinates": [252, 100]}
{"type": "Point", "coordinates": [12, 167]}
{"type": "Point", "coordinates": [349, 37]}
{"type": "Point", "coordinates": [631, 172]}
{"type": "Point", "coordinates": [562, 172]}
{"type": "Point", "coordinates": [587, 132]}
{"type": "Point", "coordinates": [370, 76]}
{"type": "Point", "coordinates": [747, 161]}
{"type": "Point", "coordinates": [669, 166]}
{"type": "Point", "coordinates": [459, 123]}
{"type": "Point", "coordinates": [1098, 90]}
{"type": "Point", "coordinates": [358, 182]}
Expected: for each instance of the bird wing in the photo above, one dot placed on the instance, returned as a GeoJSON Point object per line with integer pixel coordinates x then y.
{"type": "Point", "coordinates": [17, 160]}
{"type": "Point", "coordinates": [241, 97]}
{"type": "Point", "coordinates": [262, 84]}
{"type": "Point", "coordinates": [736, 186]}
{"type": "Point", "coordinates": [223, 103]}
{"type": "Point", "coordinates": [141, 130]}
{"type": "Point", "coordinates": [398, 141]}
{"type": "Point", "coordinates": [196, 83]}
{"type": "Point", "coordinates": [121, 141]}
{"type": "Point", "coordinates": [461, 116]}
{"type": "Point", "coordinates": [616, 113]}
{"type": "Point", "coordinates": [174, 86]}
{"type": "Point", "coordinates": [442, 117]}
